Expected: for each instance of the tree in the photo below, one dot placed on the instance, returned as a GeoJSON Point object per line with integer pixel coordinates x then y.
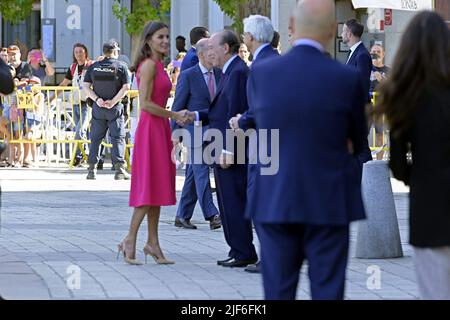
{"type": "Point", "coordinates": [15, 10]}
{"type": "Point", "coordinates": [142, 12]}
{"type": "Point", "coordinates": [239, 9]}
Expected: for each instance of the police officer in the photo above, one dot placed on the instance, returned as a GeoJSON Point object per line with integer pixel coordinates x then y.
{"type": "Point", "coordinates": [107, 82]}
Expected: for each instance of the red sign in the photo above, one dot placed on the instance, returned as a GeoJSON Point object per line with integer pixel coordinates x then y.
{"type": "Point", "coordinates": [388, 17]}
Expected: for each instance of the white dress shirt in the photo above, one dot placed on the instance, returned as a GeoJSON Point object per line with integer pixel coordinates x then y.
{"type": "Point", "coordinates": [352, 49]}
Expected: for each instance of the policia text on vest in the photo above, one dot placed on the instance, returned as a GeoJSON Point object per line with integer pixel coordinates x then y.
{"type": "Point", "coordinates": [107, 82]}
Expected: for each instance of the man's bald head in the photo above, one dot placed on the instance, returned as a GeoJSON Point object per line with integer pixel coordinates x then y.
{"type": "Point", "coordinates": [315, 19]}
{"type": "Point", "coordinates": [202, 45]}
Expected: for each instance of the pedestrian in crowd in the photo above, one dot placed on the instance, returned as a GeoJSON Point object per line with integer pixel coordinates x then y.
{"type": "Point", "coordinates": [191, 58]}
{"type": "Point", "coordinates": [230, 176]}
{"type": "Point", "coordinates": [4, 58]}
{"type": "Point", "coordinates": [23, 71]}
{"type": "Point", "coordinates": [378, 74]}
{"type": "Point", "coordinates": [276, 44]}
{"type": "Point", "coordinates": [4, 55]}
{"type": "Point", "coordinates": [415, 100]}
{"type": "Point", "coordinates": [195, 91]}
{"type": "Point", "coordinates": [244, 54]}
{"type": "Point", "coordinates": [75, 76]}
{"type": "Point", "coordinates": [294, 223]}
{"type": "Point", "coordinates": [12, 124]}
{"type": "Point", "coordinates": [258, 34]}
{"type": "Point", "coordinates": [358, 57]}
{"type": "Point", "coordinates": [107, 82]}
{"type": "Point", "coordinates": [153, 172]}
{"type": "Point", "coordinates": [174, 69]}
{"type": "Point", "coordinates": [33, 124]}
{"type": "Point", "coordinates": [181, 44]}
{"type": "Point", "coordinates": [6, 87]}
{"type": "Point", "coordinates": [40, 66]}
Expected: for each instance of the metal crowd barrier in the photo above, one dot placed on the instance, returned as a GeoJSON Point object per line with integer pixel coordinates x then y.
{"type": "Point", "coordinates": [385, 132]}
{"type": "Point", "coordinates": [57, 121]}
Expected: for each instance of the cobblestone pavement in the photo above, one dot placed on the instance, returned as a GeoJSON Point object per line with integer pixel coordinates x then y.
{"type": "Point", "coordinates": [55, 225]}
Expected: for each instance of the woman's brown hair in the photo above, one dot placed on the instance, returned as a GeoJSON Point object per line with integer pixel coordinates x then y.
{"type": "Point", "coordinates": [422, 62]}
{"type": "Point", "coordinates": [144, 50]}
{"type": "Point", "coordinates": [80, 45]}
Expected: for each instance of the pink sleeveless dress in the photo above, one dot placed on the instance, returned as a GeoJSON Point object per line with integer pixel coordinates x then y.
{"type": "Point", "coordinates": [153, 171]}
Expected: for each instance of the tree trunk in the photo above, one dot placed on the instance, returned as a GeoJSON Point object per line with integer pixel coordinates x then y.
{"type": "Point", "coordinates": [261, 7]}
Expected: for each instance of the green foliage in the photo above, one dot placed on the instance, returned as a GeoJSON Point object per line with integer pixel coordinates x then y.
{"type": "Point", "coordinates": [231, 9]}
{"type": "Point", "coordinates": [15, 11]}
{"type": "Point", "coordinates": [143, 11]}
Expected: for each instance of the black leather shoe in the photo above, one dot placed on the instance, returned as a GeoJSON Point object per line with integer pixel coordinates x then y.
{"type": "Point", "coordinates": [215, 222]}
{"type": "Point", "coordinates": [253, 268]}
{"type": "Point", "coordinates": [233, 263]}
{"type": "Point", "coordinates": [184, 224]}
{"type": "Point", "coordinates": [221, 262]}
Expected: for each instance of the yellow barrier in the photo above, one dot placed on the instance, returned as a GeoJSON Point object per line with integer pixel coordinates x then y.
{"type": "Point", "coordinates": [57, 121]}
{"type": "Point", "coordinates": [384, 141]}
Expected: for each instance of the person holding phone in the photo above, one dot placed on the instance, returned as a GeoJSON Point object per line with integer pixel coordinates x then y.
{"type": "Point", "coordinates": [40, 67]}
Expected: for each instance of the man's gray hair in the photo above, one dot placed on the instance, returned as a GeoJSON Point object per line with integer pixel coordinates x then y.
{"type": "Point", "coordinates": [260, 27]}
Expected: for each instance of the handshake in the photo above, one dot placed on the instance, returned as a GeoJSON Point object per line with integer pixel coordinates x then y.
{"type": "Point", "coordinates": [183, 117]}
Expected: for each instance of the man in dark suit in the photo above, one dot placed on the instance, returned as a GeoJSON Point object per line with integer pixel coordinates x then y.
{"type": "Point", "coordinates": [196, 88]}
{"type": "Point", "coordinates": [359, 57]}
{"type": "Point", "coordinates": [231, 177]}
{"type": "Point", "coordinates": [316, 193]}
{"type": "Point", "coordinates": [258, 34]}
{"type": "Point", "coordinates": [191, 58]}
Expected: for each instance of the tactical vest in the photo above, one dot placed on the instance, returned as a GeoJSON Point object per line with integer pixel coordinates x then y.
{"type": "Point", "coordinates": [106, 78]}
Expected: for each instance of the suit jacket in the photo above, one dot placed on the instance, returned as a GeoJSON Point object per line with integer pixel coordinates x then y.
{"type": "Point", "coordinates": [190, 59]}
{"type": "Point", "coordinates": [319, 180]}
{"type": "Point", "coordinates": [230, 99]}
{"type": "Point", "coordinates": [428, 175]}
{"type": "Point", "coordinates": [362, 60]}
{"type": "Point", "coordinates": [192, 93]}
{"type": "Point", "coordinates": [247, 121]}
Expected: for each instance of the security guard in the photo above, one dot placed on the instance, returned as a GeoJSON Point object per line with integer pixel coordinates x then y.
{"type": "Point", "coordinates": [107, 82]}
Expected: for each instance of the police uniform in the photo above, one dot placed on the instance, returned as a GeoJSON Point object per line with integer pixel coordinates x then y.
{"type": "Point", "coordinates": [107, 78]}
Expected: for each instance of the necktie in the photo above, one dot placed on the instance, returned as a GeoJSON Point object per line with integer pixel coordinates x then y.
{"type": "Point", "coordinates": [210, 84]}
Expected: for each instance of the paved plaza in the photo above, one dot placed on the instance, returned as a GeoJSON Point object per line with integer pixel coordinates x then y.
{"type": "Point", "coordinates": [55, 225]}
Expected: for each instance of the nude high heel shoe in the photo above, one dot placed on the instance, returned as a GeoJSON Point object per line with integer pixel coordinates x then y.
{"type": "Point", "coordinates": [121, 248]}
{"type": "Point", "coordinates": [158, 259]}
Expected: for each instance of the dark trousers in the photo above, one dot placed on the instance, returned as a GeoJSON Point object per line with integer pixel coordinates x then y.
{"type": "Point", "coordinates": [196, 187]}
{"type": "Point", "coordinates": [231, 187]}
{"type": "Point", "coordinates": [284, 247]}
{"type": "Point", "coordinates": [102, 120]}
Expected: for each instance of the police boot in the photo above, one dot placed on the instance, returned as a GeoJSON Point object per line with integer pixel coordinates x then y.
{"type": "Point", "coordinates": [121, 172]}
{"type": "Point", "coordinates": [91, 172]}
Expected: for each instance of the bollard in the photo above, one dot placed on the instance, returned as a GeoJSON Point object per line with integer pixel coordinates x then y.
{"type": "Point", "coordinates": [378, 236]}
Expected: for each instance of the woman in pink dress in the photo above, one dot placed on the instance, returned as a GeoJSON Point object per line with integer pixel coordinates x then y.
{"type": "Point", "coordinates": [153, 171]}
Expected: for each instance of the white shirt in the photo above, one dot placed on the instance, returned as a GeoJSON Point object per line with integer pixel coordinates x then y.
{"type": "Point", "coordinates": [227, 64]}
{"type": "Point", "coordinates": [352, 49]}
{"type": "Point", "coordinates": [225, 67]}
{"type": "Point", "coordinates": [205, 75]}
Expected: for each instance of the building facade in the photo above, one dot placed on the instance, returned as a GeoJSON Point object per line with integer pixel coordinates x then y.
{"type": "Point", "coordinates": [56, 26]}
{"type": "Point", "coordinates": [190, 13]}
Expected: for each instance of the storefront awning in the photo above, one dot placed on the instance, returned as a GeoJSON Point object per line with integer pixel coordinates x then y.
{"type": "Point", "coordinates": [410, 5]}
